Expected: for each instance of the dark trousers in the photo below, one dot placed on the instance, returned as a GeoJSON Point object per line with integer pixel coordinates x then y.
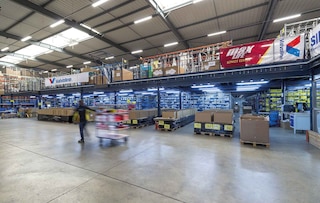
{"type": "Point", "coordinates": [82, 125]}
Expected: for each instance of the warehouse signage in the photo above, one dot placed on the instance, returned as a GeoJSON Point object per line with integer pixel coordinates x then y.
{"type": "Point", "coordinates": [67, 79]}
{"type": "Point", "coordinates": [263, 52]}
{"type": "Point", "coordinates": [314, 39]}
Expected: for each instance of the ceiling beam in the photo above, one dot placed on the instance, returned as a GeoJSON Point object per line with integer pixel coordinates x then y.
{"type": "Point", "coordinates": [108, 10]}
{"type": "Point", "coordinates": [123, 16]}
{"type": "Point", "coordinates": [267, 19]}
{"type": "Point", "coordinates": [172, 28]}
{"type": "Point", "coordinates": [25, 17]}
{"type": "Point", "coordinates": [74, 24]}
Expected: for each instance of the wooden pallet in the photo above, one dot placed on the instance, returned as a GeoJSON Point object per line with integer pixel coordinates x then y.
{"type": "Point", "coordinates": [213, 134]}
{"type": "Point", "coordinates": [137, 126]}
{"type": "Point", "coordinates": [169, 130]}
{"type": "Point", "coordinates": [203, 133]}
{"type": "Point", "coordinates": [223, 135]}
{"type": "Point", "coordinates": [255, 144]}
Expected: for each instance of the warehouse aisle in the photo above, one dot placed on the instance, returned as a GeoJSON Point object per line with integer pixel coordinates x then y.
{"type": "Point", "coordinates": [42, 162]}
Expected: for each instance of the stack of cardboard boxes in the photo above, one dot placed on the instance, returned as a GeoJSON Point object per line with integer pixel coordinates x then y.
{"type": "Point", "coordinates": [139, 114]}
{"type": "Point", "coordinates": [217, 121]}
{"type": "Point", "coordinates": [95, 76]}
{"type": "Point", "coordinates": [178, 114]}
{"type": "Point", "coordinates": [254, 129]}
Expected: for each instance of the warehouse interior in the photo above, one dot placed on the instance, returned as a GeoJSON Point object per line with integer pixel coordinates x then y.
{"type": "Point", "coordinates": [194, 100]}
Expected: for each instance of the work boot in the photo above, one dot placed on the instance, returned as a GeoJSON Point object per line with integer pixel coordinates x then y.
{"type": "Point", "coordinates": [81, 141]}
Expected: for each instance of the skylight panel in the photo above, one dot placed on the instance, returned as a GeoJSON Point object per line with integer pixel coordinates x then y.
{"type": "Point", "coordinates": [170, 5]}
{"type": "Point", "coordinates": [32, 51]}
{"type": "Point", "coordinates": [67, 37]}
{"type": "Point", "coordinates": [11, 59]}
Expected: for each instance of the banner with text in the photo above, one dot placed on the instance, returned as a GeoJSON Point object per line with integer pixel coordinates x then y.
{"type": "Point", "coordinates": [67, 79]}
{"type": "Point", "coordinates": [263, 52]}
{"type": "Point", "coordinates": [314, 39]}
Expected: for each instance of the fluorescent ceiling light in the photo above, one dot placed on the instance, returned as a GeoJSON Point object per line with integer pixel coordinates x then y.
{"type": "Point", "coordinates": [98, 92]}
{"type": "Point", "coordinates": [93, 30]}
{"type": "Point", "coordinates": [54, 69]}
{"type": "Point", "coordinates": [122, 94]}
{"type": "Point", "coordinates": [69, 66]}
{"type": "Point", "coordinates": [136, 52]}
{"type": "Point", "coordinates": [73, 44]}
{"type": "Point", "coordinates": [216, 33]}
{"type": "Point", "coordinates": [86, 62]}
{"type": "Point", "coordinates": [201, 86]}
{"type": "Point", "coordinates": [248, 88]}
{"type": "Point", "coordinates": [155, 89]}
{"type": "Point", "coordinates": [26, 38]}
{"type": "Point", "coordinates": [171, 91]}
{"type": "Point", "coordinates": [286, 18]}
{"type": "Point", "coordinates": [147, 93]}
{"type": "Point", "coordinates": [45, 71]}
{"type": "Point", "coordinates": [125, 91]}
{"type": "Point", "coordinates": [98, 3]}
{"type": "Point", "coordinates": [57, 23]}
{"type": "Point", "coordinates": [252, 83]}
{"type": "Point", "coordinates": [143, 19]}
{"type": "Point", "coordinates": [197, 1]}
{"type": "Point", "coordinates": [110, 57]}
{"type": "Point", "coordinates": [5, 49]}
{"type": "Point", "coordinates": [209, 90]}
{"type": "Point", "coordinates": [171, 44]}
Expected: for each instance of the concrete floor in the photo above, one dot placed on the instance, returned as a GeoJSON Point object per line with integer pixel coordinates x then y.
{"type": "Point", "coordinates": [42, 162]}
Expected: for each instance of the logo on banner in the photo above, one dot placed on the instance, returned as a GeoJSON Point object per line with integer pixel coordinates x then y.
{"type": "Point", "coordinates": [315, 39]}
{"type": "Point", "coordinates": [290, 47]}
{"type": "Point", "coordinates": [52, 80]}
{"type": "Point", "coordinates": [240, 52]}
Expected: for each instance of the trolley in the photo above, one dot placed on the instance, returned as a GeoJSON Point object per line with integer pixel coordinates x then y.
{"type": "Point", "coordinates": [109, 122]}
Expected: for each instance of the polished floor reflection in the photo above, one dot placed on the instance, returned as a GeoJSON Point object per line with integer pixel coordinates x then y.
{"type": "Point", "coordinates": [42, 162]}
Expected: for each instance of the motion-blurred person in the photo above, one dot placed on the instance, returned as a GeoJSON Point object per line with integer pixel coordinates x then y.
{"type": "Point", "coordinates": [83, 120]}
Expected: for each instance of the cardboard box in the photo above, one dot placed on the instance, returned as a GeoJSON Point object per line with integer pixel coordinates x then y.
{"type": "Point", "coordinates": [314, 138]}
{"type": "Point", "coordinates": [169, 114]}
{"type": "Point", "coordinates": [101, 80]}
{"type": "Point", "coordinates": [223, 116]}
{"type": "Point", "coordinates": [211, 65]}
{"type": "Point", "coordinates": [204, 117]}
{"type": "Point", "coordinates": [134, 114]}
{"type": "Point", "coordinates": [285, 124]}
{"type": "Point", "coordinates": [254, 129]}
{"type": "Point", "coordinates": [157, 72]}
{"type": "Point", "coordinates": [127, 75]}
{"type": "Point", "coordinates": [174, 70]}
{"type": "Point", "coordinates": [116, 75]}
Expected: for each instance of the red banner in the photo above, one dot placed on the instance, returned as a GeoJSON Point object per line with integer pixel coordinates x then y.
{"type": "Point", "coordinates": [246, 54]}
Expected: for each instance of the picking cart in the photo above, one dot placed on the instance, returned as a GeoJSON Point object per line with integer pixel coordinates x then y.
{"type": "Point", "coordinates": [109, 122]}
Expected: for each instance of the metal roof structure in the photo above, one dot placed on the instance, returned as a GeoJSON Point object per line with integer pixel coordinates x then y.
{"type": "Point", "coordinates": [110, 28]}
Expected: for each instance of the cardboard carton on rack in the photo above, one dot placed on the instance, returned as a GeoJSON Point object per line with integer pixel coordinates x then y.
{"type": "Point", "coordinates": [174, 70]}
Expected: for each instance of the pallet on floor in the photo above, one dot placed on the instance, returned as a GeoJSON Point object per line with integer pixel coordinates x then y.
{"type": "Point", "coordinates": [214, 134]}
{"type": "Point", "coordinates": [255, 144]}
